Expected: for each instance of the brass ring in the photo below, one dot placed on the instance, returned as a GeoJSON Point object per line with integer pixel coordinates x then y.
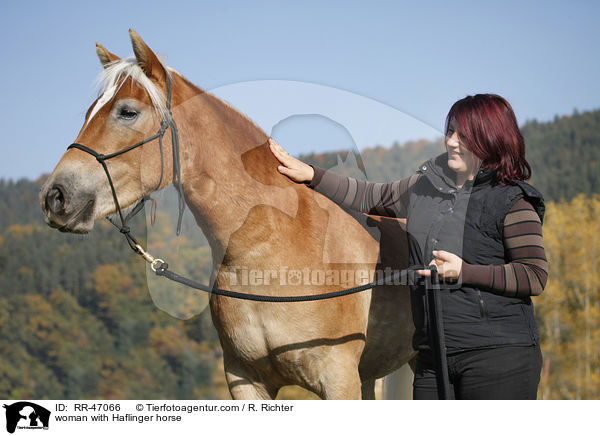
{"type": "Point", "coordinates": [159, 261]}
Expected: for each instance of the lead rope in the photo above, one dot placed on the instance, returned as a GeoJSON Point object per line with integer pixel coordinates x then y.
{"type": "Point", "coordinates": [159, 266]}
{"type": "Point", "coordinates": [406, 276]}
{"type": "Point", "coordinates": [437, 334]}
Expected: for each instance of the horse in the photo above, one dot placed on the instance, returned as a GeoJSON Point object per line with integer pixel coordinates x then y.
{"type": "Point", "coordinates": [255, 220]}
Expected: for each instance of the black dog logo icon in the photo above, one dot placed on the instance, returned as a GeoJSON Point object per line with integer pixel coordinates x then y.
{"type": "Point", "coordinates": [26, 414]}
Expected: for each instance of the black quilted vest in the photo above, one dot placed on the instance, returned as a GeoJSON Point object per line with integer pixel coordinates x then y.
{"type": "Point", "coordinates": [468, 222]}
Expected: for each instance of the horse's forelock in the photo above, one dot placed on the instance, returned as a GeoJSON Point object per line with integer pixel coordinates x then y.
{"type": "Point", "coordinates": [116, 73]}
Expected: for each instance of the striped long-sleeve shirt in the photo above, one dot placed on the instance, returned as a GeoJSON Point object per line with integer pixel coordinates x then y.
{"type": "Point", "coordinates": [526, 270]}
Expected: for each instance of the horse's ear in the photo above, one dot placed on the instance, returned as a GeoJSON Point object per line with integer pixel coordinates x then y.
{"type": "Point", "coordinates": [146, 58]}
{"type": "Point", "coordinates": [105, 56]}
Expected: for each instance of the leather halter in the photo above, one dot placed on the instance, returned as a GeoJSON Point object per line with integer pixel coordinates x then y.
{"type": "Point", "coordinates": [167, 122]}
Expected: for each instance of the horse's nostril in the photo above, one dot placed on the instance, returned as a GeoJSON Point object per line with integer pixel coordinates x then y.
{"type": "Point", "coordinates": [55, 200]}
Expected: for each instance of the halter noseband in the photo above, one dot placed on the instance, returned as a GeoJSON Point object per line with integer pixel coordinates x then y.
{"type": "Point", "coordinates": [167, 122]}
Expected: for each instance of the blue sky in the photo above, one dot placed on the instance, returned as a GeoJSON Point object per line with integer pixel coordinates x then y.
{"type": "Point", "coordinates": [383, 64]}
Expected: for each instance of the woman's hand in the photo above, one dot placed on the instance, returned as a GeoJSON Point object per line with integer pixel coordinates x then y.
{"type": "Point", "coordinates": [449, 265]}
{"type": "Point", "coordinates": [296, 170]}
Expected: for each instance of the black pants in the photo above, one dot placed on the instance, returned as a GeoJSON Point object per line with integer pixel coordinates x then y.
{"type": "Point", "coordinates": [504, 373]}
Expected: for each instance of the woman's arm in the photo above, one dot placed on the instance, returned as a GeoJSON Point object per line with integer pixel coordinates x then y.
{"type": "Point", "coordinates": [387, 199]}
{"type": "Point", "coordinates": [527, 272]}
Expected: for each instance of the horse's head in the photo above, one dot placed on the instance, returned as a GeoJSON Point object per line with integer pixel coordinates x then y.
{"type": "Point", "coordinates": [130, 109]}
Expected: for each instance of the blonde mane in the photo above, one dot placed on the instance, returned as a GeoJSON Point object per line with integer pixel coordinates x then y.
{"type": "Point", "coordinates": [115, 74]}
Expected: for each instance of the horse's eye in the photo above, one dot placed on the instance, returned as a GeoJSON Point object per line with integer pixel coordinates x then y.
{"type": "Point", "coordinates": [127, 114]}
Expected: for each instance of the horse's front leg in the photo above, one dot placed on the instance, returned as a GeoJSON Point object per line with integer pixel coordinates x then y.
{"type": "Point", "coordinates": [243, 384]}
{"type": "Point", "coordinates": [341, 384]}
{"type": "Point", "coordinates": [332, 374]}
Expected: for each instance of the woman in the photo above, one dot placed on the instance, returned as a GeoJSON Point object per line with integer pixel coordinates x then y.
{"type": "Point", "coordinates": [470, 212]}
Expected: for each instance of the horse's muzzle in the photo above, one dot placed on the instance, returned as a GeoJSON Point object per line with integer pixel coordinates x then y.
{"type": "Point", "coordinates": [66, 210]}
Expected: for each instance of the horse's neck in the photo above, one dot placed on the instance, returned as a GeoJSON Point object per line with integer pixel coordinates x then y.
{"type": "Point", "coordinates": [227, 170]}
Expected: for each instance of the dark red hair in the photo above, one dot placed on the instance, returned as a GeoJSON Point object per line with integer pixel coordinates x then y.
{"type": "Point", "coordinates": [488, 128]}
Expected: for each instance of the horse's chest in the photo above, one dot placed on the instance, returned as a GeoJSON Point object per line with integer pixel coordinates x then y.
{"type": "Point", "coordinates": [246, 328]}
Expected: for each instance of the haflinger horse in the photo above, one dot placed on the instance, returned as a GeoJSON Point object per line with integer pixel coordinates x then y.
{"type": "Point", "coordinates": [255, 219]}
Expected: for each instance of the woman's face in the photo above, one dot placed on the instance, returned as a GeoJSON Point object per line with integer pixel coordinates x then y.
{"type": "Point", "coordinates": [461, 160]}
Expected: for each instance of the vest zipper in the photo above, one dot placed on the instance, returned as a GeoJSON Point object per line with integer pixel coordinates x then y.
{"type": "Point", "coordinates": [482, 305]}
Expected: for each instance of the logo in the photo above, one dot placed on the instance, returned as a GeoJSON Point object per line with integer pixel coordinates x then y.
{"type": "Point", "coordinates": [26, 415]}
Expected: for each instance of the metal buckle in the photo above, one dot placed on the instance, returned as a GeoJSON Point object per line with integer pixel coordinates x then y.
{"type": "Point", "coordinates": [154, 262]}
{"type": "Point", "coordinates": [159, 263]}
